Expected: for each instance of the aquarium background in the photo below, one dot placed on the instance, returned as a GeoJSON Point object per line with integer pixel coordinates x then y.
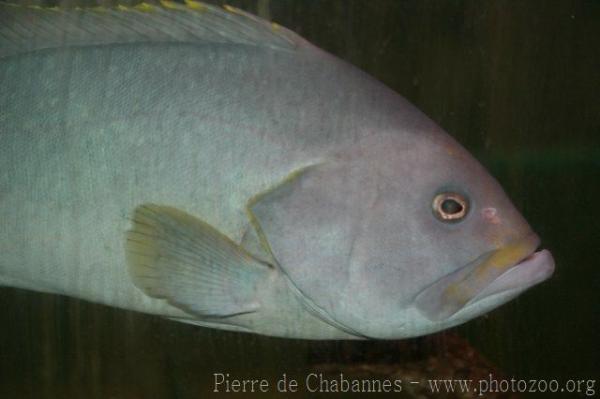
{"type": "Point", "coordinates": [518, 84]}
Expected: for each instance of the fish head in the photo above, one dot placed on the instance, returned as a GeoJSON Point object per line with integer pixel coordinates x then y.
{"type": "Point", "coordinates": [402, 235]}
{"type": "Point", "coordinates": [450, 243]}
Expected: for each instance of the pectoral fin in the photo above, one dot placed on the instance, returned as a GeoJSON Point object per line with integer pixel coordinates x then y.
{"type": "Point", "coordinates": [175, 256]}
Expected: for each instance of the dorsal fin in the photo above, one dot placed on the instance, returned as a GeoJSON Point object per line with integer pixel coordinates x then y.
{"type": "Point", "coordinates": [30, 28]}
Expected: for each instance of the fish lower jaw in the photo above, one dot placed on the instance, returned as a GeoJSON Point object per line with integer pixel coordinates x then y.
{"type": "Point", "coordinates": [532, 270]}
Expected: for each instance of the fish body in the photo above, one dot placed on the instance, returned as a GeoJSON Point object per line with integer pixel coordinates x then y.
{"type": "Point", "coordinates": [232, 175]}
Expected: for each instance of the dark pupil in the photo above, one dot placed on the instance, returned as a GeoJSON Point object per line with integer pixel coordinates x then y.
{"type": "Point", "coordinates": [451, 207]}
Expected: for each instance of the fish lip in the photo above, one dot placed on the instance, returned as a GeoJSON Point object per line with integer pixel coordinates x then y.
{"type": "Point", "coordinates": [512, 268]}
{"type": "Point", "coordinates": [538, 266]}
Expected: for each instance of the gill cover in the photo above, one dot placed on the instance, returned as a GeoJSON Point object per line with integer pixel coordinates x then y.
{"type": "Point", "coordinates": [310, 222]}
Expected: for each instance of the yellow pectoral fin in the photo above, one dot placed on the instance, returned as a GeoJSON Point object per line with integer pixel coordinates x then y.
{"type": "Point", "coordinates": [175, 256]}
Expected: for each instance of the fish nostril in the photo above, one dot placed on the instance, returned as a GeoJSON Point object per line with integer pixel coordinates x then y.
{"type": "Point", "coordinates": [490, 215]}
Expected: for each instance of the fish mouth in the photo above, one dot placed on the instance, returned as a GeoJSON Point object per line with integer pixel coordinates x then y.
{"type": "Point", "coordinates": [507, 270]}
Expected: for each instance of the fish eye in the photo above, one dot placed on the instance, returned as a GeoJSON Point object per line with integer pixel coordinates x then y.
{"type": "Point", "coordinates": [450, 207]}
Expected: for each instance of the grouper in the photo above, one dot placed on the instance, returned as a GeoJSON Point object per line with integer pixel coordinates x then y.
{"type": "Point", "coordinates": [210, 167]}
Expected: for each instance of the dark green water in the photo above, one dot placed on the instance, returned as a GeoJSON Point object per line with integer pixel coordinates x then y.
{"type": "Point", "coordinates": [517, 82]}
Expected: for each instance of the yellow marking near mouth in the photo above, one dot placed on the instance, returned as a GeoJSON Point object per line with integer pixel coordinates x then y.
{"type": "Point", "coordinates": [457, 293]}
{"type": "Point", "coordinates": [460, 292]}
{"type": "Point", "coordinates": [506, 257]}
